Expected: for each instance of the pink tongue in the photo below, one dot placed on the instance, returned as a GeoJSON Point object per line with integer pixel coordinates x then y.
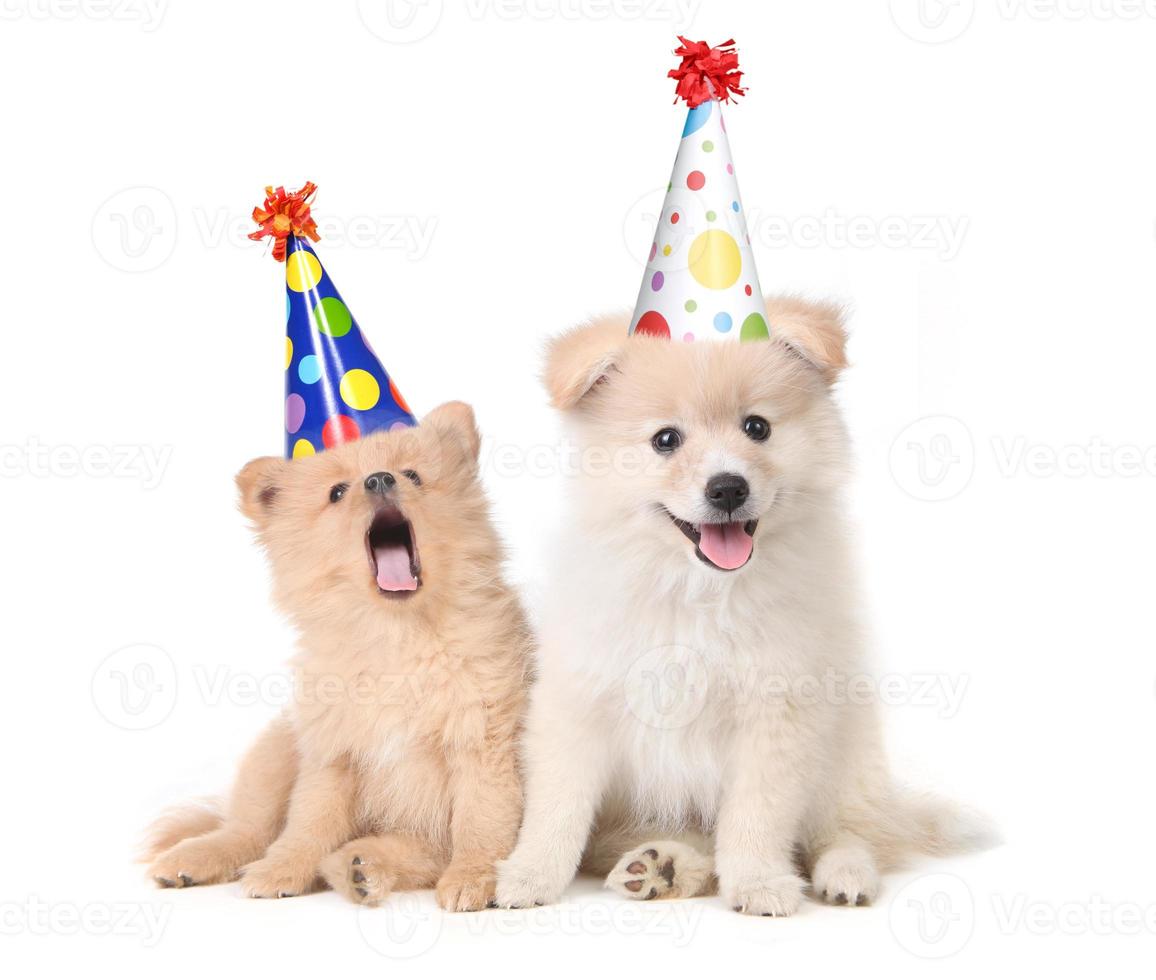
{"type": "Point", "coordinates": [727, 545]}
{"type": "Point", "coordinates": [393, 574]}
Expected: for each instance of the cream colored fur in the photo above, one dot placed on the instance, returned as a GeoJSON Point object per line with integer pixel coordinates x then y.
{"type": "Point", "coordinates": [396, 767]}
{"type": "Point", "coordinates": [751, 787]}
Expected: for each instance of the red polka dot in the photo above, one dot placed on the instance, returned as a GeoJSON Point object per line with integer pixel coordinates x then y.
{"type": "Point", "coordinates": [747, 289]}
{"type": "Point", "coordinates": [695, 180]}
{"type": "Point", "coordinates": [674, 218]}
{"type": "Point", "coordinates": [653, 324]}
{"type": "Point", "coordinates": [339, 429]}
{"type": "Point", "coordinates": [397, 398]}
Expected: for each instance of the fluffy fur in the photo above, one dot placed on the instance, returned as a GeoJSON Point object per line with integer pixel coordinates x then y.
{"type": "Point", "coordinates": [755, 782]}
{"type": "Point", "coordinates": [396, 767]}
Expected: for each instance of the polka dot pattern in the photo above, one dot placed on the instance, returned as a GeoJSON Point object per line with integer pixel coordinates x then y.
{"type": "Point", "coordinates": [715, 260]}
{"type": "Point", "coordinates": [309, 369]}
{"type": "Point", "coordinates": [653, 324]}
{"type": "Point", "coordinates": [360, 390]}
{"type": "Point", "coordinates": [339, 429]}
{"type": "Point", "coordinates": [302, 272]}
{"type": "Point", "coordinates": [336, 388]}
{"type": "Point", "coordinates": [332, 317]}
{"type": "Point", "coordinates": [294, 413]}
{"type": "Point", "coordinates": [701, 282]}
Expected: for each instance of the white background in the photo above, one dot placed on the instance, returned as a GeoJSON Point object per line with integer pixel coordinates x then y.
{"type": "Point", "coordinates": [974, 178]}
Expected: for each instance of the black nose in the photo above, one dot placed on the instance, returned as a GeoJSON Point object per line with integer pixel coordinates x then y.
{"type": "Point", "coordinates": [380, 483]}
{"type": "Point", "coordinates": [727, 491]}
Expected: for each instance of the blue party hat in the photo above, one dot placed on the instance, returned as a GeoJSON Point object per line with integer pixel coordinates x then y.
{"type": "Point", "coordinates": [336, 390]}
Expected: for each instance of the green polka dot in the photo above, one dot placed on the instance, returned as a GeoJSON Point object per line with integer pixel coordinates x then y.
{"type": "Point", "coordinates": [690, 306]}
{"type": "Point", "coordinates": [669, 184]}
{"type": "Point", "coordinates": [754, 328]}
{"type": "Point", "coordinates": [332, 317]}
{"type": "Point", "coordinates": [710, 216]}
{"type": "Point", "coordinates": [707, 146]}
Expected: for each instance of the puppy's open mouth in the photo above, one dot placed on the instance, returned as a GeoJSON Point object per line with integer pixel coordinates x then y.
{"type": "Point", "coordinates": [393, 553]}
{"type": "Point", "coordinates": [725, 546]}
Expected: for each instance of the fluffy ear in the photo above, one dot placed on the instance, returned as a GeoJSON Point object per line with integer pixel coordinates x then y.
{"type": "Point", "coordinates": [814, 331]}
{"type": "Point", "coordinates": [454, 421]}
{"type": "Point", "coordinates": [260, 482]}
{"type": "Point", "coordinates": [581, 357]}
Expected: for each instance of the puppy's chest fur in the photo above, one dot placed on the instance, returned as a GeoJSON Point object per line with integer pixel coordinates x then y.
{"type": "Point", "coordinates": [683, 679]}
{"type": "Point", "coordinates": [396, 710]}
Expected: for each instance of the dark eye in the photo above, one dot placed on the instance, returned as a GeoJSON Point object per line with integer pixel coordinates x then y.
{"type": "Point", "coordinates": [412, 477]}
{"type": "Point", "coordinates": [756, 427]}
{"type": "Point", "coordinates": [337, 491]}
{"type": "Point", "coordinates": [666, 441]}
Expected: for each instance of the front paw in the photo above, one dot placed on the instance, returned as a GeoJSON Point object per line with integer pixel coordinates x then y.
{"type": "Point", "coordinates": [276, 876]}
{"type": "Point", "coordinates": [522, 887]}
{"type": "Point", "coordinates": [464, 890]}
{"type": "Point", "coordinates": [846, 876]}
{"type": "Point", "coordinates": [773, 895]}
{"type": "Point", "coordinates": [353, 872]}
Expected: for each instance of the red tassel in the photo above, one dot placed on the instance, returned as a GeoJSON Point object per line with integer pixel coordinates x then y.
{"type": "Point", "coordinates": [706, 73]}
{"type": "Point", "coordinates": [284, 215]}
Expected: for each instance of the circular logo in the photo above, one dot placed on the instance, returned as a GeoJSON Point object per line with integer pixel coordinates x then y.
{"type": "Point", "coordinates": [135, 230]}
{"type": "Point", "coordinates": [933, 459]}
{"type": "Point", "coordinates": [400, 21]}
{"type": "Point", "coordinates": [404, 927]}
{"type": "Point", "coordinates": [933, 916]}
{"type": "Point", "coordinates": [667, 687]}
{"type": "Point", "coordinates": [135, 687]}
{"type": "Point", "coordinates": [932, 21]}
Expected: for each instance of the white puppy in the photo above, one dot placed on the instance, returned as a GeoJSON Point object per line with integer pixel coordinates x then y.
{"type": "Point", "coordinates": [691, 721]}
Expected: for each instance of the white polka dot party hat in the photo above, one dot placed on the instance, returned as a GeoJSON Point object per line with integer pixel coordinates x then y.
{"type": "Point", "coordinates": [700, 281]}
{"type": "Point", "coordinates": [336, 390]}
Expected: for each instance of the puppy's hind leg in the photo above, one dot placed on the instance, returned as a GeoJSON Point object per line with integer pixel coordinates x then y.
{"type": "Point", "coordinates": [662, 869]}
{"type": "Point", "coordinates": [217, 849]}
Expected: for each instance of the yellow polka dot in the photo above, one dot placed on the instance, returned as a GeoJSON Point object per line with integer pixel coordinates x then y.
{"type": "Point", "coordinates": [715, 260]}
{"type": "Point", "coordinates": [665, 249]}
{"type": "Point", "coordinates": [302, 271]}
{"type": "Point", "coordinates": [359, 389]}
{"type": "Point", "coordinates": [288, 353]}
{"type": "Point", "coordinates": [303, 447]}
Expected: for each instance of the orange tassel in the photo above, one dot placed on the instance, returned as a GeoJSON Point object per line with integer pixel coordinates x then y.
{"type": "Point", "coordinates": [284, 215]}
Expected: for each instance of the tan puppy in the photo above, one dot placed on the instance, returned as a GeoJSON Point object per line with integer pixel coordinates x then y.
{"type": "Point", "coordinates": [690, 720]}
{"type": "Point", "coordinates": [396, 767]}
